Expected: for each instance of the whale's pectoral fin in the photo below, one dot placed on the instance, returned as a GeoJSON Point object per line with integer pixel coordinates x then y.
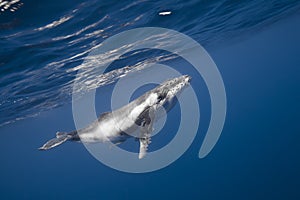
{"type": "Point", "coordinates": [145, 134]}
{"type": "Point", "coordinates": [144, 143]}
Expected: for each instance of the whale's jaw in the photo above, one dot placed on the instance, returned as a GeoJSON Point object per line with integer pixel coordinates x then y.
{"type": "Point", "coordinates": [176, 85]}
{"type": "Point", "coordinates": [171, 88]}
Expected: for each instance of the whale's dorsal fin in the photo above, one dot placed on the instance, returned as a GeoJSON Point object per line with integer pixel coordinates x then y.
{"type": "Point", "coordinates": [145, 131]}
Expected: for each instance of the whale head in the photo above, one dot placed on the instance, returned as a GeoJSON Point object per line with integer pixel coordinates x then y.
{"type": "Point", "coordinates": [170, 88]}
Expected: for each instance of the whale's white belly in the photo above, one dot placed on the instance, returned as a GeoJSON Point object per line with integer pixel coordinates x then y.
{"type": "Point", "coordinates": [105, 131]}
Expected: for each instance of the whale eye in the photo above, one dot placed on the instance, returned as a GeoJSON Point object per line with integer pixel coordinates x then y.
{"type": "Point", "coordinates": [160, 97]}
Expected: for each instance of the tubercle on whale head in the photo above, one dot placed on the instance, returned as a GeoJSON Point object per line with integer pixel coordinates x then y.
{"type": "Point", "coordinates": [172, 87]}
{"type": "Point", "coordinates": [182, 80]}
{"type": "Point", "coordinates": [185, 78]}
{"type": "Point", "coordinates": [188, 78]}
{"type": "Point", "coordinates": [177, 80]}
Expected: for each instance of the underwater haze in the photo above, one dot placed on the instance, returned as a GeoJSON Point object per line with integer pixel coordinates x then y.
{"type": "Point", "coordinates": [255, 45]}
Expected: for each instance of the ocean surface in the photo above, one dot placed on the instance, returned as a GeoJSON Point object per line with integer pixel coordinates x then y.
{"type": "Point", "coordinates": [255, 45]}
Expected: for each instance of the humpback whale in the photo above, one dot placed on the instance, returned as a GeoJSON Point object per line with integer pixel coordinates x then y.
{"type": "Point", "coordinates": [117, 126]}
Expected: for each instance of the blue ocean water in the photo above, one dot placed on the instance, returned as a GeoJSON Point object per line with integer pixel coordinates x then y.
{"type": "Point", "coordinates": [256, 46]}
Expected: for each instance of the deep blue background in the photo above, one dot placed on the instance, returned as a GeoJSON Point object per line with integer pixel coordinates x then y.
{"type": "Point", "coordinates": [257, 156]}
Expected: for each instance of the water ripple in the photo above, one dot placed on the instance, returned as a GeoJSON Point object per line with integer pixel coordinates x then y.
{"type": "Point", "coordinates": [40, 55]}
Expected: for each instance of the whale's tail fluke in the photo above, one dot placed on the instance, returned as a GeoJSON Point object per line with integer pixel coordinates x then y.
{"type": "Point", "coordinates": [61, 137]}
